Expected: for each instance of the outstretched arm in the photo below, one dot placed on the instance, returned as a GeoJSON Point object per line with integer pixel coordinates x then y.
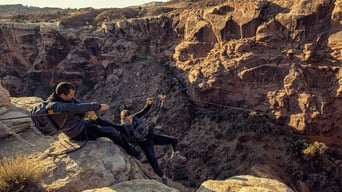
{"type": "Point", "coordinates": [146, 108]}
{"type": "Point", "coordinates": [77, 107]}
{"type": "Point", "coordinates": [93, 117]}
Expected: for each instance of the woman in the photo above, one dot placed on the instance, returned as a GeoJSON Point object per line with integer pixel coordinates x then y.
{"type": "Point", "coordinates": [138, 133]}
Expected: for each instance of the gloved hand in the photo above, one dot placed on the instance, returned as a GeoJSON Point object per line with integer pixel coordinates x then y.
{"type": "Point", "coordinates": [92, 115]}
{"type": "Point", "coordinates": [149, 101]}
{"type": "Point", "coordinates": [162, 97]}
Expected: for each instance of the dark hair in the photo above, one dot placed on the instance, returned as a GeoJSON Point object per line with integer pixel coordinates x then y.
{"type": "Point", "coordinates": [124, 113]}
{"type": "Point", "coordinates": [64, 88]}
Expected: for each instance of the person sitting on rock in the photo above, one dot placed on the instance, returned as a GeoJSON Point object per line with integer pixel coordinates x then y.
{"type": "Point", "coordinates": [144, 137]}
{"type": "Point", "coordinates": [71, 118]}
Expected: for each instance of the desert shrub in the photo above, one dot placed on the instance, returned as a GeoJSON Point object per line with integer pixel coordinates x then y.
{"type": "Point", "coordinates": [314, 149]}
{"type": "Point", "coordinates": [20, 173]}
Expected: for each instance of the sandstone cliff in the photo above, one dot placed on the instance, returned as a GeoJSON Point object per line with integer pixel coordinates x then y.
{"type": "Point", "coordinates": [245, 80]}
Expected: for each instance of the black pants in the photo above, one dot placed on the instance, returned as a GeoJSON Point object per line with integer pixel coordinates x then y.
{"type": "Point", "coordinates": [147, 146]}
{"type": "Point", "coordinates": [95, 130]}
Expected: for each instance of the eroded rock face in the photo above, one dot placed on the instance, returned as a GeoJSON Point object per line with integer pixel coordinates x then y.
{"type": "Point", "coordinates": [14, 119]}
{"type": "Point", "coordinates": [234, 54]}
{"type": "Point", "coordinates": [279, 58]}
{"type": "Point", "coordinates": [32, 53]}
{"type": "Point", "coordinates": [267, 57]}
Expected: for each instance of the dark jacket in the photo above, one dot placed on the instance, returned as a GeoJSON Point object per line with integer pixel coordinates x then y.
{"type": "Point", "coordinates": [70, 114]}
{"type": "Point", "coordinates": [137, 131]}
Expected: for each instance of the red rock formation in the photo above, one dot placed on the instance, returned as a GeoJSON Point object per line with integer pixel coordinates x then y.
{"type": "Point", "coordinates": [278, 58]}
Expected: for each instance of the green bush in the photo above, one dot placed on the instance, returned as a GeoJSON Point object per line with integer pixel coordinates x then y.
{"type": "Point", "coordinates": [315, 149]}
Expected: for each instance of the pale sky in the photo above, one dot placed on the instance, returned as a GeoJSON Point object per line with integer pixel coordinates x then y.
{"type": "Point", "coordinates": [78, 3]}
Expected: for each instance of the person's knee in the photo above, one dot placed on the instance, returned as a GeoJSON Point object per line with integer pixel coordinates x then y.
{"type": "Point", "coordinates": [110, 130]}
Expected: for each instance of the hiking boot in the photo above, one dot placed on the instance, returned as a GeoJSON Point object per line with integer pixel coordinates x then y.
{"type": "Point", "coordinates": [176, 155]}
{"type": "Point", "coordinates": [164, 179]}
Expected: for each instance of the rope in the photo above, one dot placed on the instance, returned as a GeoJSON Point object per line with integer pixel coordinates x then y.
{"type": "Point", "coordinates": [228, 106]}
{"type": "Point", "coordinates": [37, 115]}
{"type": "Point", "coordinates": [10, 132]}
{"type": "Point", "coordinates": [222, 105]}
{"type": "Point", "coordinates": [54, 155]}
{"type": "Point", "coordinates": [27, 116]}
{"type": "Point", "coordinates": [248, 110]}
{"type": "Point", "coordinates": [49, 154]}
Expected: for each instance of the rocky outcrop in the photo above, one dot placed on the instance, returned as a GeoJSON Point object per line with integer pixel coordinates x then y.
{"type": "Point", "coordinates": [16, 120]}
{"type": "Point", "coordinates": [290, 52]}
{"type": "Point", "coordinates": [244, 183]}
{"type": "Point", "coordinates": [97, 164]}
{"type": "Point", "coordinates": [32, 52]}
{"type": "Point", "coordinates": [217, 45]}
{"type": "Point", "coordinates": [13, 118]}
{"type": "Point", "coordinates": [91, 165]}
{"type": "Point", "coordinates": [142, 185]}
{"type": "Point", "coordinates": [5, 100]}
{"type": "Point", "coordinates": [276, 61]}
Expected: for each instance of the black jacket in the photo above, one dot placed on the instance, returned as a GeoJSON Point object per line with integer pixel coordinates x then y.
{"type": "Point", "coordinates": [137, 131]}
{"type": "Point", "coordinates": [70, 114]}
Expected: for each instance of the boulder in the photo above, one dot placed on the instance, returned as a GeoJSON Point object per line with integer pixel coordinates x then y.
{"type": "Point", "coordinates": [97, 164]}
{"type": "Point", "coordinates": [244, 183]}
{"type": "Point", "coordinates": [141, 185]}
{"type": "Point", "coordinates": [18, 115]}
{"type": "Point", "coordinates": [5, 100]}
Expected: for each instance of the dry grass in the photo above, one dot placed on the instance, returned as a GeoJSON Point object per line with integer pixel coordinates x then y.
{"type": "Point", "coordinates": [20, 173]}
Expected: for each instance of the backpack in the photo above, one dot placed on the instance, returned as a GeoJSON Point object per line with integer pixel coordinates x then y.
{"type": "Point", "coordinates": [42, 120]}
{"type": "Point", "coordinates": [41, 117]}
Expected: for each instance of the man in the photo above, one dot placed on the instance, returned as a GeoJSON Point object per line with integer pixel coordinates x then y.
{"type": "Point", "coordinates": [71, 114]}
{"type": "Point", "coordinates": [138, 133]}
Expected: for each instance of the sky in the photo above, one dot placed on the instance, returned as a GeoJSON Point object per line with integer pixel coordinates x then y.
{"type": "Point", "coordinates": [78, 3]}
